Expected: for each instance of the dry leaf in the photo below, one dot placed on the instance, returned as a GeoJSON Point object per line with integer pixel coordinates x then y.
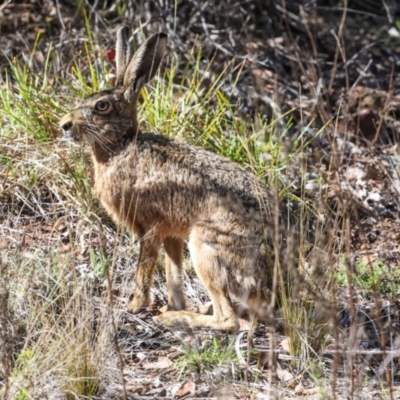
{"type": "Point", "coordinates": [187, 387]}
{"type": "Point", "coordinates": [162, 362]}
{"type": "Point", "coordinates": [285, 344]}
{"type": "Point", "coordinates": [284, 375]}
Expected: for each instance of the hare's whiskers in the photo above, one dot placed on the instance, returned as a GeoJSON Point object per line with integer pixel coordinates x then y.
{"type": "Point", "coordinates": [96, 138]}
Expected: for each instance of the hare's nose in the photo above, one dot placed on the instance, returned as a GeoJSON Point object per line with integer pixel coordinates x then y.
{"type": "Point", "coordinates": [66, 126]}
{"type": "Point", "coordinates": [66, 123]}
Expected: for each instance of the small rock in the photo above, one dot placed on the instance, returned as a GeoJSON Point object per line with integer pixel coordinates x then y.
{"type": "Point", "coordinates": [141, 356]}
{"type": "Point", "coordinates": [393, 32]}
{"type": "Point", "coordinates": [374, 196]}
{"type": "Point", "coordinates": [354, 173]}
{"type": "Point", "coordinates": [172, 390]}
{"type": "Point", "coordinates": [262, 396]}
{"type": "Point", "coordinates": [299, 389]}
{"type": "Point", "coordinates": [284, 375]}
{"type": "Point", "coordinates": [312, 186]}
{"type": "Point", "coordinates": [202, 391]}
{"type": "Point", "coordinates": [372, 236]}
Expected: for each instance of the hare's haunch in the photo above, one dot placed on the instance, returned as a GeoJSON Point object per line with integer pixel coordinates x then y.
{"type": "Point", "coordinates": [167, 192]}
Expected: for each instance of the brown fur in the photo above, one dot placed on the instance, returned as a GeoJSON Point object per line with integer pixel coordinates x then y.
{"type": "Point", "coordinates": [167, 192]}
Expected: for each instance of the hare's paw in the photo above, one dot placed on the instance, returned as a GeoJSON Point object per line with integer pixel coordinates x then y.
{"type": "Point", "coordinates": [169, 307]}
{"type": "Point", "coordinates": [176, 318]}
{"type": "Point", "coordinates": [206, 309]}
{"type": "Point", "coordinates": [175, 304]}
{"type": "Point", "coordinates": [187, 319]}
{"type": "Point", "coordinates": [138, 304]}
{"type": "Point", "coordinates": [164, 309]}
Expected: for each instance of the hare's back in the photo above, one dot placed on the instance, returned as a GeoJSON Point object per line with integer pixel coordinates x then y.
{"type": "Point", "coordinates": [209, 172]}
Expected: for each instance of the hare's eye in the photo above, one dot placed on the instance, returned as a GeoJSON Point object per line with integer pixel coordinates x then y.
{"type": "Point", "coordinates": [101, 105]}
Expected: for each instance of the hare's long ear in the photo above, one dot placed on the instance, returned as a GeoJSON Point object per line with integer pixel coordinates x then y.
{"type": "Point", "coordinates": [144, 64]}
{"type": "Point", "coordinates": [123, 53]}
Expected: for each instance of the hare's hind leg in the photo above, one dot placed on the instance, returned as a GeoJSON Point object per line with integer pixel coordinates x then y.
{"type": "Point", "coordinates": [148, 256]}
{"type": "Point", "coordinates": [213, 276]}
{"type": "Point", "coordinates": [174, 271]}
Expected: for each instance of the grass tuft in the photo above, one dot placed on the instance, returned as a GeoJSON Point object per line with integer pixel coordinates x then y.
{"type": "Point", "coordinates": [212, 356]}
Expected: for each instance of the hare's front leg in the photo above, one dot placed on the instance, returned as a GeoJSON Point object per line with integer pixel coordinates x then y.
{"type": "Point", "coordinates": [148, 256]}
{"type": "Point", "coordinates": [174, 271]}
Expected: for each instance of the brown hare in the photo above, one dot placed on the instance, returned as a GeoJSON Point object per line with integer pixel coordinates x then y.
{"type": "Point", "coordinates": [167, 192]}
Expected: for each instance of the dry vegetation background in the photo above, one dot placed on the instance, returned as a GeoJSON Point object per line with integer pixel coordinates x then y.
{"type": "Point", "coordinates": [306, 94]}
